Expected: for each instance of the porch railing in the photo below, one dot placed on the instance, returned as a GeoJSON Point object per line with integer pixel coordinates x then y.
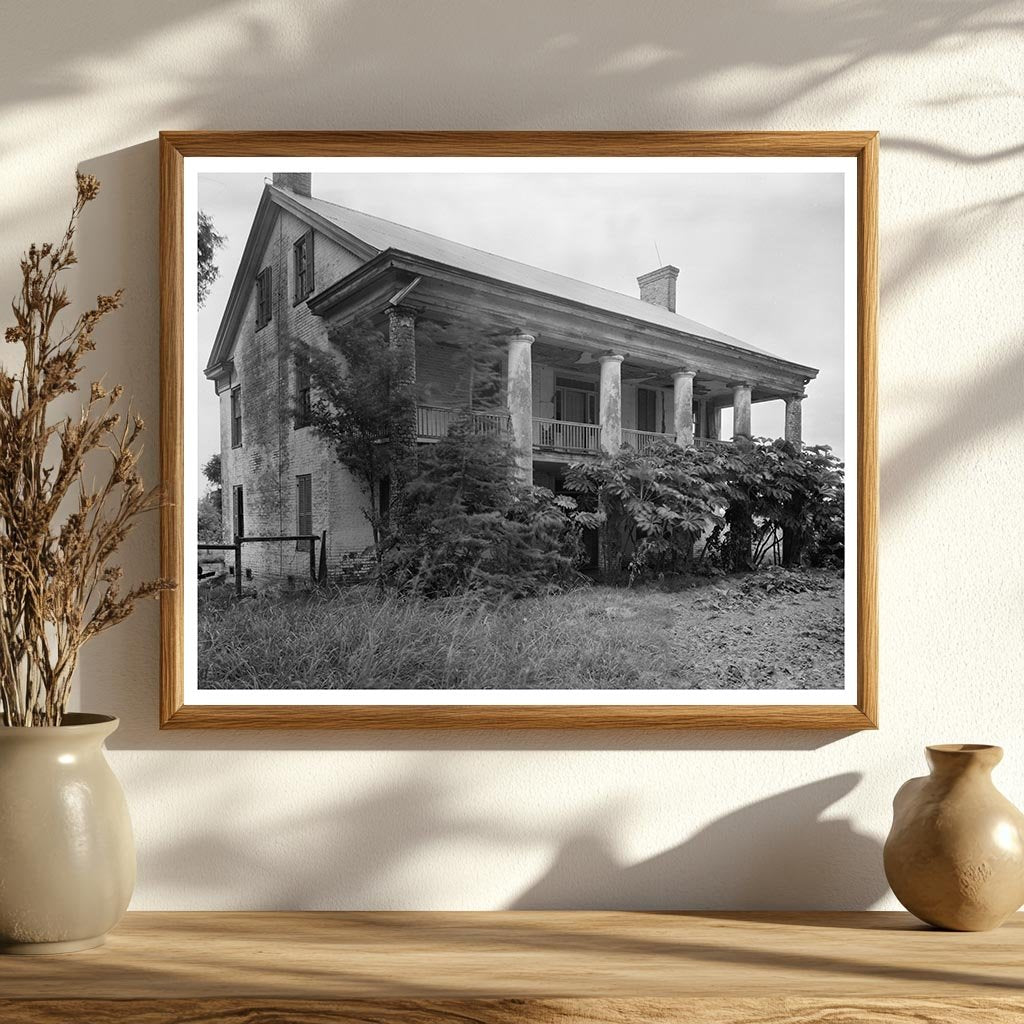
{"type": "Point", "coordinates": [641, 440]}
{"type": "Point", "coordinates": [564, 436]}
{"type": "Point", "coordinates": [433, 421]}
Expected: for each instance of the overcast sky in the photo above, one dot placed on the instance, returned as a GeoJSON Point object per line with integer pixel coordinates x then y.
{"type": "Point", "coordinates": [760, 255]}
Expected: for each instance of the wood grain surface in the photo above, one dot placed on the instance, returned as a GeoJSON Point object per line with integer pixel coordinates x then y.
{"type": "Point", "coordinates": [527, 954]}
{"type": "Point", "coordinates": [512, 1011]}
{"type": "Point", "coordinates": [175, 147]}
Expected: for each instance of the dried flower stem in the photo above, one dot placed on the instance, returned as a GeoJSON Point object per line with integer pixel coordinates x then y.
{"type": "Point", "coordinates": [58, 586]}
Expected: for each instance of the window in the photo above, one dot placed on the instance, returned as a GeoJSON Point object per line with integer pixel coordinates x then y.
{"type": "Point", "coordinates": [236, 417]}
{"type": "Point", "coordinates": [264, 298]}
{"type": "Point", "coordinates": [575, 401]}
{"type": "Point", "coordinates": [303, 256]}
{"type": "Point", "coordinates": [646, 409]}
{"type": "Point", "coordinates": [304, 520]}
{"type": "Point", "coordinates": [303, 393]}
{"type": "Point", "coordinates": [237, 512]}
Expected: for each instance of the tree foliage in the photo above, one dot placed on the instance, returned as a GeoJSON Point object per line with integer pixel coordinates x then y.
{"type": "Point", "coordinates": [653, 509]}
{"type": "Point", "coordinates": [466, 526]}
{"type": "Point", "coordinates": [210, 522]}
{"type": "Point", "coordinates": [648, 508]}
{"type": "Point", "coordinates": [208, 244]}
{"type": "Point", "coordinates": [355, 405]}
{"type": "Point", "coordinates": [212, 469]}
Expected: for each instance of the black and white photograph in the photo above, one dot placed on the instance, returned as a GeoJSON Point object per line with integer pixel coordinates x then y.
{"type": "Point", "coordinates": [520, 429]}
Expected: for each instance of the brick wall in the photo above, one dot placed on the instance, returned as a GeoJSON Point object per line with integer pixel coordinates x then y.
{"type": "Point", "coordinates": [273, 453]}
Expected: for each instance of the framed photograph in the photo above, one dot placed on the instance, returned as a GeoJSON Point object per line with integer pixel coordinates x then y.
{"type": "Point", "coordinates": [519, 430]}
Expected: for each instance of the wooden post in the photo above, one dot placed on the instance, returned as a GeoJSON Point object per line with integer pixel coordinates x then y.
{"type": "Point", "coordinates": [238, 566]}
{"type": "Point", "coordinates": [322, 574]}
{"type": "Point", "coordinates": [312, 559]}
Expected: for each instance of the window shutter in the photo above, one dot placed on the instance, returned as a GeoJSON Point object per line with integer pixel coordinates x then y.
{"type": "Point", "coordinates": [304, 519]}
{"type": "Point", "coordinates": [236, 417]}
{"type": "Point", "coordinates": [309, 263]}
{"type": "Point", "coordinates": [264, 297]}
{"type": "Point", "coordinates": [302, 267]}
{"type": "Point", "coordinates": [239, 512]}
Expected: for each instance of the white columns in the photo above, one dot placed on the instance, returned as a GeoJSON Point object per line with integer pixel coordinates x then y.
{"type": "Point", "coordinates": [682, 401]}
{"type": "Point", "coordinates": [794, 419]}
{"type": "Point", "coordinates": [520, 403]}
{"type": "Point", "coordinates": [741, 410]}
{"type": "Point", "coordinates": [611, 403]}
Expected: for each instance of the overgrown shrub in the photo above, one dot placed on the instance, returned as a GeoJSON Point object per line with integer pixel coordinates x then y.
{"type": "Point", "coordinates": [649, 508]}
{"type": "Point", "coordinates": [464, 525]}
{"type": "Point", "coordinates": [778, 489]}
{"type": "Point", "coordinates": [652, 509]}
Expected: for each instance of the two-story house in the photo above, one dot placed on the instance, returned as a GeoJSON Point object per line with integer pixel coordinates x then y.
{"type": "Point", "coordinates": [585, 370]}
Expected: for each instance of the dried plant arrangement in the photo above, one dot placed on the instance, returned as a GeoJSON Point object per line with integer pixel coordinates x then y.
{"type": "Point", "coordinates": [58, 533]}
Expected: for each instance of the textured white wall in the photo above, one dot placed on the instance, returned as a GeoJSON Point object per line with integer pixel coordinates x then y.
{"type": "Point", "coordinates": [572, 819]}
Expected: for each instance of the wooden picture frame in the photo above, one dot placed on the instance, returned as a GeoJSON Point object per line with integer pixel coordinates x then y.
{"type": "Point", "coordinates": [176, 147]}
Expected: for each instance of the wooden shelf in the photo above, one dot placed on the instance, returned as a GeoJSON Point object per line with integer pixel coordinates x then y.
{"type": "Point", "coordinates": [502, 968]}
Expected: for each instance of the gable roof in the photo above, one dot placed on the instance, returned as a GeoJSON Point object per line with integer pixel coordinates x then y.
{"type": "Point", "coordinates": [367, 236]}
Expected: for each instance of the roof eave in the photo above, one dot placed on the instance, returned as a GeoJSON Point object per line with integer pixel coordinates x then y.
{"type": "Point", "coordinates": [259, 231]}
{"type": "Point", "coordinates": [392, 259]}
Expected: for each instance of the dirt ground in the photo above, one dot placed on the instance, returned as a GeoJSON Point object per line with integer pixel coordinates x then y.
{"type": "Point", "coordinates": [767, 630]}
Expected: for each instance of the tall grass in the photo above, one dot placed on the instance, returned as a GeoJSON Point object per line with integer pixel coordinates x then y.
{"type": "Point", "coordinates": [597, 638]}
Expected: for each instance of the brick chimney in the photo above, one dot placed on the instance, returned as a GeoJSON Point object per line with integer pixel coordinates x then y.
{"type": "Point", "coordinates": [659, 287]}
{"type": "Point", "coordinates": [300, 184]}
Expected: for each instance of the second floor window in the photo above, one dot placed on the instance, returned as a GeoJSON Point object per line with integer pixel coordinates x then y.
{"type": "Point", "coordinates": [236, 417]}
{"type": "Point", "coordinates": [303, 254]}
{"type": "Point", "coordinates": [303, 393]}
{"type": "Point", "coordinates": [264, 298]}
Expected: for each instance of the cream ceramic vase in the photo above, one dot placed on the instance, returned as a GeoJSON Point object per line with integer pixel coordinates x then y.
{"type": "Point", "coordinates": [67, 859]}
{"type": "Point", "coordinates": [955, 855]}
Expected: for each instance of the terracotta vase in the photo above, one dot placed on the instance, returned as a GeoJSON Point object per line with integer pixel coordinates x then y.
{"type": "Point", "coordinates": [67, 859]}
{"type": "Point", "coordinates": [955, 854]}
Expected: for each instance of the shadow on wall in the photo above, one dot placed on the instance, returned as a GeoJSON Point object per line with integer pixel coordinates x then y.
{"type": "Point", "coordinates": [342, 49]}
{"type": "Point", "coordinates": [536, 64]}
{"type": "Point", "coordinates": [988, 402]}
{"type": "Point", "coordinates": [395, 847]}
{"type": "Point", "coordinates": [773, 854]}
